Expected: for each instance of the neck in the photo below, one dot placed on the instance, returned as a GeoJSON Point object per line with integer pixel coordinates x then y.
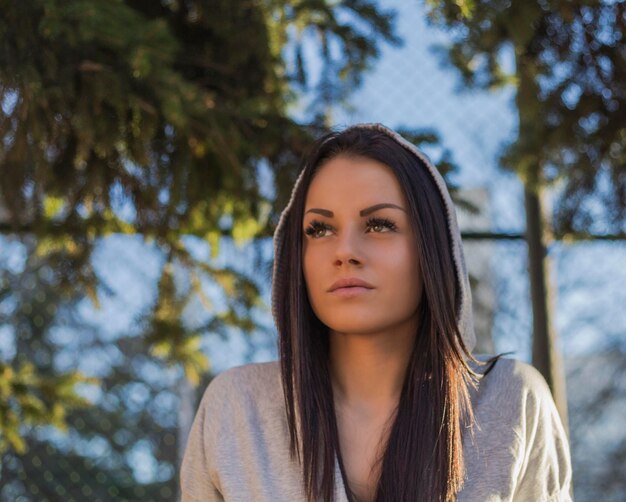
{"type": "Point", "coordinates": [368, 370]}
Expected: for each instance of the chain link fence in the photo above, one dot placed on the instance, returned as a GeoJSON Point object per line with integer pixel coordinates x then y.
{"type": "Point", "coordinates": [128, 444]}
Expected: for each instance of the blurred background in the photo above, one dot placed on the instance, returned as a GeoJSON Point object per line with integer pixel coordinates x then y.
{"type": "Point", "coordinates": [148, 147]}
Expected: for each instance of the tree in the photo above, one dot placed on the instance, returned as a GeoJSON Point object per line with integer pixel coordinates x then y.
{"type": "Point", "coordinates": [568, 71]}
{"type": "Point", "coordinates": [150, 118]}
{"type": "Point", "coordinates": [97, 454]}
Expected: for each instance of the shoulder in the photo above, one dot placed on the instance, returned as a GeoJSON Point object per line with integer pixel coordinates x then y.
{"type": "Point", "coordinates": [243, 385]}
{"type": "Point", "coordinates": [243, 407]}
{"type": "Point", "coordinates": [248, 376]}
{"type": "Point", "coordinates": [513, 375]}
{"type": "Point", "coordinates": [513, 384]}
{"type": "Point", "coordinates": [518, 448]}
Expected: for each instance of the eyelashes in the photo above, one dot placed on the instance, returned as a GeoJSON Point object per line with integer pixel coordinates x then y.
{"type": "Point", "coordinates": [378, 222]}
{"type": "Point", "coordinates": [316, 226]}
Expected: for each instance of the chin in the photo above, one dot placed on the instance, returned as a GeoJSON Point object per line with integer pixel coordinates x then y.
{"type": "Point", "coordinates": [352, 327]}
{"type": "Point", "coordinates": [350, 330]}
{"type": "Point", "coordinates": [362, 322]}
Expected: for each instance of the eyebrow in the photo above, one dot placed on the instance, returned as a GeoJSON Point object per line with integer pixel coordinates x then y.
{"type": "Point", "coordinates": [363, 212]}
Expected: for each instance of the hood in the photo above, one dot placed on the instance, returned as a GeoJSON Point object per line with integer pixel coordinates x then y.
{"type": "Point", "coordinates": [464, 313]}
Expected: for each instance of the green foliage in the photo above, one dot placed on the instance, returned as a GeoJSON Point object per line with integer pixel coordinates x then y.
{"type": "Point", "coordinates": [325, 22]}
{"type": "Point", "coordinates": [167, 336]}
{"type": "Point", "coordinates": [41, 390]}
{"type": "Point", "coordinates": [94, 459]}
{"type": "Point", "coordinates": [158, 106]}
{"type": "Point", "coordinates": [28, 398]}
{"type": "Point", "coordinates": [569, 72]}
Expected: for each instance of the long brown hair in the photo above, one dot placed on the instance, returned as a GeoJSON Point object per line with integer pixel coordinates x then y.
{"type": "Point", "coordinates": [423, 457]}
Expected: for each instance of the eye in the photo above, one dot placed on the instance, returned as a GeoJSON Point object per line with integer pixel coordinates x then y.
{"type": "Point", "coordinates": [374, 223]}
{"type": "Point", "coordinates": [315, 227]}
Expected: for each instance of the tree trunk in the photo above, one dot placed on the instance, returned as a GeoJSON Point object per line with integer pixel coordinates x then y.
{"type": "Point", "coordinates": [546, 357]}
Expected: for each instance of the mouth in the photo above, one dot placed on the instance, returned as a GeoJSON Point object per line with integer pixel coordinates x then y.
{"type": "Point", "coordinates": [350, 284]}
{"type": "Point", "coordinates": [351, 292]}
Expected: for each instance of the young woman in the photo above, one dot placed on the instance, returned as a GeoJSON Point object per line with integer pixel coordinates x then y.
{"type": "Point", "coordinates": [376, 395]}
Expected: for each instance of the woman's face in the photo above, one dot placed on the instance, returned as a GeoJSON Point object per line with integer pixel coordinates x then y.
{"type": "Point", "coordinates": [346, 236]}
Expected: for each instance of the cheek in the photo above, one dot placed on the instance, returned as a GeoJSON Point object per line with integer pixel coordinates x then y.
{"type": "Point", "coordinates": [403, 272]}
{"type": "Point", "coordinates": [397, 258]}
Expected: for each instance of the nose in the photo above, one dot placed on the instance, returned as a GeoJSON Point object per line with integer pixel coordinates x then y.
{"type": "Point", "coordinates": [347, 249]}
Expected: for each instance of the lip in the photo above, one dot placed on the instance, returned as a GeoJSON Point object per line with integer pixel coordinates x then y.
{"type": "Point", "coordinates": [350, 283]}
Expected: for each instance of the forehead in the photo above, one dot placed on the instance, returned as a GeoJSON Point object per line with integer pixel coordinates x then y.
{"type": "Point", "coordinates": [354, 179]}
